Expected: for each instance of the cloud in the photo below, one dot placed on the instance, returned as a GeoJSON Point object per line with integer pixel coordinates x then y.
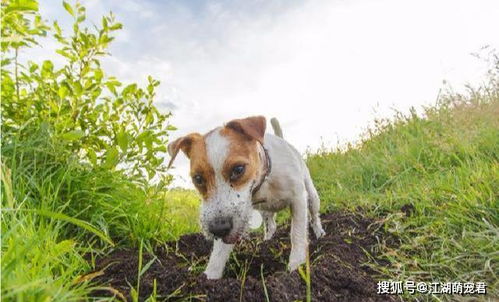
{"type": "Point", "coordinates": [322, 67]}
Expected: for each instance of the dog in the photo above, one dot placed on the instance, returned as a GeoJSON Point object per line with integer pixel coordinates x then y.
{"type": "Point", "coordinates": [238, 168]}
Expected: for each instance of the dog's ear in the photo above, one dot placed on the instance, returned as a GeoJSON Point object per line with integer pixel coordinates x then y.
{"type": "Point", "coordinates": [183, 143]}
{"type": "Point", "coordinates": [252, 127]}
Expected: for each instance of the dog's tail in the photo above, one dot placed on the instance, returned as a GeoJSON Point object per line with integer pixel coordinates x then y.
{"type": "Point", "coordinates": [277, 128]}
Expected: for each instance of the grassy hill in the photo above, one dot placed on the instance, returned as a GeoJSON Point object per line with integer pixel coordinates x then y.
{"type": "Point", "coordinates": [434, 182]}
{"type": "Point", "coordinates": [431, 180]}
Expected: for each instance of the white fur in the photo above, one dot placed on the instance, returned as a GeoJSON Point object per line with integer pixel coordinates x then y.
{"type": "Point", "coordinates": [217, 149]}
{"type": "Point", "coordinates": [219, 256]}
{"type": "Point", "coordinates": [288, 185]}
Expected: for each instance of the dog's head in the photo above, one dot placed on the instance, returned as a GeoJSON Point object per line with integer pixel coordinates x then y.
{"type": "Point", "coordinates": [226, 164]}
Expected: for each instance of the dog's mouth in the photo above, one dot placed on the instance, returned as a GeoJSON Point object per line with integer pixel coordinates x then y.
{"type": "Point", "coordinates": [231, 238]}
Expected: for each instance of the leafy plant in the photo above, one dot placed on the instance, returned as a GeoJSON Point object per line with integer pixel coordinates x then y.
{"type": "Point", "coordinates": [98, 119]}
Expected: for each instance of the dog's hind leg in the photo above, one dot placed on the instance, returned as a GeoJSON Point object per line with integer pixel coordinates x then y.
{"type": "Point", "coordinates": [314, 204]}
{"type": "Point", "coordinates": [219, 256]}
{"type": "Point", "coordinates": [269, 224]}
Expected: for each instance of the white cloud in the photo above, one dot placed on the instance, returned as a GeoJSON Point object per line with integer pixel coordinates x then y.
{"type": "Point", "coordinates": [320, 67]}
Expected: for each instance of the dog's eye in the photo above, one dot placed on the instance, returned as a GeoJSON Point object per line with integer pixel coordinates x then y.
{"type": "Point", "coordinates": [237, 171]}
{"type": "Point", "coordinates": [198, 180]}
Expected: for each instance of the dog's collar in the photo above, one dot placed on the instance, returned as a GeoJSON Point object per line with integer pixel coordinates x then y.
{"type": "Point", "coordinates": [268, 169]}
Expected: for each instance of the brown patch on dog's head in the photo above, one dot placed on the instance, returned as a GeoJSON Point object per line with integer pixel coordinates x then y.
{"type": "Point", "coordinates": [194, 147]}
{"type": "Point", "coordinates": [243, 135]}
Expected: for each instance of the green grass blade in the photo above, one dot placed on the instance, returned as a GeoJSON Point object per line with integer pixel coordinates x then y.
{"type": "Point", "coordinates": [81, 223]}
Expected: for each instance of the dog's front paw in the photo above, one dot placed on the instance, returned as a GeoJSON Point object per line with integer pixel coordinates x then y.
{"type": "Point", "coordinates": [295, 260]}
{"type": "Point", "coordinates": [211, 275]}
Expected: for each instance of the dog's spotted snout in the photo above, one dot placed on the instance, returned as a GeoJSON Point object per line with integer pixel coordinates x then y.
{"type": "Point", "coordinates": [220, 226]}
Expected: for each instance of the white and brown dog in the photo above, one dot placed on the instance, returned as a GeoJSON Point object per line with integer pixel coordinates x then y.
{"type": "Point", "coordinates": [238, 168]}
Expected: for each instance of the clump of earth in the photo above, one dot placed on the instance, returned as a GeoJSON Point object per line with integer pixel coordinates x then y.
{"type": "Point", "coordinates": [257, 268]}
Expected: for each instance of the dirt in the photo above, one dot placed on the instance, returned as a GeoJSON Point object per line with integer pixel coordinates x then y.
{"type": "Point", "coordinates": [256, 270]}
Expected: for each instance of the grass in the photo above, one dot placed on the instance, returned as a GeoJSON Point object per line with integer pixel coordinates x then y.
{"type": "Point", "coordinates": [443, 169]}
{"type": "Point", "coordinates": [263, 284]}
{"type": "Point", "coordinates": [305, 275]}
{"type": "Point", "coordinates": [56, 210]}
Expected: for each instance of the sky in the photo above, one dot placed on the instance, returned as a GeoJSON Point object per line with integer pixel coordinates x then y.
{"type": "Point", "coordinates": [325, 69]}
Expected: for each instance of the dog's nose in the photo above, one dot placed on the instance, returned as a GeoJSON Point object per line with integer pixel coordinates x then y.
{"type": "Point", "coordinates": [220, 226]}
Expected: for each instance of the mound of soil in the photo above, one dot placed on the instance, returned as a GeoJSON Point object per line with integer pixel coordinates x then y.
{"type": "Point", "coordinates": [256, 270]}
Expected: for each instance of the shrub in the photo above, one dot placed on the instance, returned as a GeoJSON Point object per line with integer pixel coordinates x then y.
{"type": "Point", "coordinates": [82, 158]}
{"type": "Point", "coordinates": [89, 112]}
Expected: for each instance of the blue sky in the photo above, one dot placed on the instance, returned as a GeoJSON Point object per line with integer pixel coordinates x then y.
{"type": "Point", "coordinates": [326, 69]}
